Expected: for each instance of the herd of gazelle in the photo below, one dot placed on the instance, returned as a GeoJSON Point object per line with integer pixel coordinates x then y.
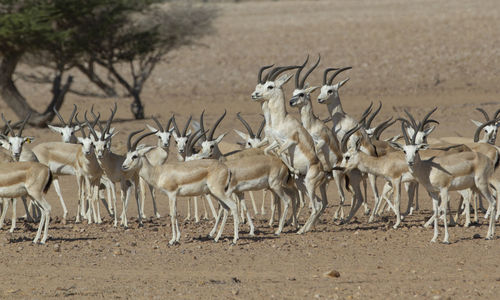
{"type": "Point", "coordinates": [291, 158]}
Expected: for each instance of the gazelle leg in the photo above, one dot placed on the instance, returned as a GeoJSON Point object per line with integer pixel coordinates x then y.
{"type": "Point", "coordinates": [55, 182]}
{"type": "Point", "coordinates": [217, 220]}
{"type": "Point", "coordinates": [205, 212]}
{"type": "Point", "coordinates": [188, 215]}
{"type": "Point", "coordinates": [5, 207]}
{"type": "Point", "coordinates": [397, 197]}
{"type": "Point", "coordinates": [435, 215]}
{"type": "Point", "coordinates": [223, 223]}
{"type": "Point", "coordinates": [444, 204]}
{"type": "Point", "coordinates": [173, 217]}
{"type": "Point", "coordinates": [338, 176]}
{"type": "Point", "coordinates": [14, 215]}
{"type": "Point", "coordinates": [263, 205]}
{"type": "Point", "coordinates": [196, 216]}
{"type": "Point", "coordinates": [142, 192]}
{"type": "Point", "coordinates": [211, 205]}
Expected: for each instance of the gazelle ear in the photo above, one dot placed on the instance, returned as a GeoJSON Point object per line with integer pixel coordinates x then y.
{"type": "Point", "coordinates": [142, 149]}
{"type": "Point", "coordinates": [429, 130]}
{"type": "Point", "coordinates": [175, 135]}
{"type": "Point", "coordinates": [396, 145]}
{"type": "Point", "coordinates": [311, 89]}
{"type": "Point", "coordinates": [188, 132]}
{"type": "Point", "coordinates": [55, 128]}
{"type": "Point", "coordinates": [151, 128]}
{"type": "Point", "coordinates": [244, 136]}
{"type": "Point", "coordinates": [220, 137]}
{"type": "Point", "coordinates": [282, 80]}
{"type": "Point", "coordinates": [29, 139]}
{"type": "Point", "coordinates": [477, 123]}
{"type": "Point", "coordinates": [343, 82]}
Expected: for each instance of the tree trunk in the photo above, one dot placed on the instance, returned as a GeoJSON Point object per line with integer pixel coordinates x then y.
{"type": "Point", "coordinates": [11, 95]}
{"type": "Point", "coordinates": [136, 107]}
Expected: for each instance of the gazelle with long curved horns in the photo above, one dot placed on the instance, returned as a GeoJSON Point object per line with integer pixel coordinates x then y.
{"type": "Point", "coordinates": [181, 138]}
{"type": "Point", "coordinates": [156, 156]}
{"type": "Point", "coordinates": [442, 174]}
{"type": "Point", "coordinates": [293, 141]}
{"type": "Point", "coordinates": [67, 130]}
{"type": "Point", "coordinates": [190, 178]}
{"type": "Point", "coordinates": [342, 122]}
{"type": "Point", "coordinates": [326, 143]}
{"type": "Point", "coordinates": [110, 163]}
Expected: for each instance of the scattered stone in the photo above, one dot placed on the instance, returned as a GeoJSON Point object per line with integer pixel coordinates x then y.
{"type": "Point", "coordinates": [291, 278]}
{"type": "Point", "coordinates": [133, 244]}
{"type": "Point", "coordinates": [235, 280]}
{"type": "Point", "coordinates": [117, 252]}
{"type": "Point", "coordinates": [57, 248]}
{"type": "Point", "coordinates": [235, 292]}
{"type": "Point", "coordinates": [332, 274]}
{"type": "Point", "coordinates": [476, 236]}
{"type": "Point", "coordinates": [155, 247]}
{"type": "Point", "coordinates": [117, 245]}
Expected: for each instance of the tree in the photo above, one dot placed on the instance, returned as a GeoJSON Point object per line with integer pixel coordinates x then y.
{"type": "Point", "coordinates": [109, 41]}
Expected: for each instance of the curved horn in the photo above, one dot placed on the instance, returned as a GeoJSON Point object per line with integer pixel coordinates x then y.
{"type": "Point", "coordinates": [175, 126]}
{"type": "Point", "coordinates": [134, 145]}
{"type": "Point", "coordinates": [193, 138]}
{"type": "Point", "coordinates": [167, 128]}
{"type": "Point", "coordinates": [326, 73]}
{"type": "Point", "coordinates": [485, 114]}
{"type": "Point", "coordinates": [108, 124]}
{"type": "Point", "coordinates": [337, 73]}
{"type": "Point", "coordinates": [259, 78]}
{"type": "Point", "coordinates": [413, 123]}
{"type": "Point", "coordinates": [365, 114]}
{"type": "Point", "coordinates": [405, 134]}
{"type": "Point", "coordinates": [81, 126]}
{"type": "Point", "coordinates": [187, 126]}
{"type": "Point", "coordinates": [346, 137]}
{"type": "Point", "coordinates": [381, 127]}
{"type": "Point", "coordinates": [275, 74]}
{"type": "Point", "coordinates": [202, 127]}
{"type": "Point", "coordinates": [309, 72]}
{"type": "Point", "coordinates": [297, 74]}
{"type": "Point", "coordinates": [70, 121]}
{"type": "Point", "coordinates": [496, 114]}
{"type": "Point", "coordinates": [20, 132]}
{"type": "Point", "coordinates": [129, 139]}
{"type": "Point", "coordinates": [212, 131]}
{"type": "Point", "coordinates": [259, 132]}
{"type": "Point", "coordinates": [424, 120]}
{"type": "Point", "coordinates": [59, 116]}
{"type": "Point", "coordinates": [95, 117]}
{"type": "Point", "coordinates": [370, 119]}
{"type": "Point", "coordinates": [478, 130]}
{"type": "Point", "coordinates": [158, 123]}
{"type": "Point", "coordinates": [8, 126]}
{"type": "Point", "coordinates": [249, 129]}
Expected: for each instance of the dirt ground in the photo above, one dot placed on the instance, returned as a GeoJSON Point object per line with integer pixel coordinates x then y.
{"type": "Point", "coordinates": [414, 55]}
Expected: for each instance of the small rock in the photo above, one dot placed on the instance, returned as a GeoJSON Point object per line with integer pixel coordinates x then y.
{"type": "Point", "coordinates": [332, 274]}
{"type": "Point", "coordinates": [118, 252]}
{"type": "Point", "coordinates": [291, 278]}
{"type": "Point", "coordinates": [235, 292]}
{"type": "Point", "coordinates": [117, 245]}
{"type": "Point", "coordinates": [19, 248]}
{"type": "Point", "coordinates": [57, 248]}
{"type": "Point", "coordinates": [476, 236]}
{"type": "Point", "coordinates": [155, 247]}
{"type": "Point", "coordinates": [133, 244]}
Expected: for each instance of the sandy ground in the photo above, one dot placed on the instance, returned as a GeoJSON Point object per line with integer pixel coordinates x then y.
{"type": "Point", "coordinates": [413, 55]}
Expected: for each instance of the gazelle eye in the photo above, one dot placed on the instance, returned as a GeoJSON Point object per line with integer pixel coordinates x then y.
{"type": "Point", "coordinates": [211, 146]}
{"type": "Point", "coordinates": [330, 91]}
{"type": "Point", "coordinates": [301, 95]}
{"type": "Point", "coordinates": [270, 87]}
{"type": "Point", "coordinates": [134, 156]}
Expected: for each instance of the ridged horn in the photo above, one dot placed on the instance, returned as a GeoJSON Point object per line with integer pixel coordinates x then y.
{"type": "Point", "coordinates": [337, 73]}
{"type": "Point", "coordinates": [247, 126]}
{"type": "Point", "coordinates": [212, 130]}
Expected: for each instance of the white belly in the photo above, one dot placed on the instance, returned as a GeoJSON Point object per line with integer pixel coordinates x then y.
{"type": "Point", "coordinates": [252, 185]}
{"type": "Point", "coordinates": [60, 169]}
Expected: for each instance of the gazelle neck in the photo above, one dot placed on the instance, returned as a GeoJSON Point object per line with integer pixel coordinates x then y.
{"type": "Point", "coordinates": [307, 115]}
{"type": "Point", "coordinates": [277, 108]}
{"type": "Point", "coordinates": [334, 104]}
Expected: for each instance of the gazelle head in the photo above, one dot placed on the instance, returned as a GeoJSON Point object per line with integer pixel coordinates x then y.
{"type": "Point", "coordinates": [102, 142]}
{"type": "Point", "coordinates": [162, 134]}
{"type": "Point", "coordinates": [330, 92]}
{"type": "Point", "coordinates": [302, 93]}
{"type": "Point", "coordinates": [270, 86]}
{"type": "Point", "coordinates": [490, 127]}
{"type": "Point", "coordinates": [84, 140]}
{"type": "Point", "coordinates": [418, 131]}
{"type": "Point", "coordinates": [135, 153]}
{"type": "Point", "coordinates": [181, 138]}
{"type": "Point", "coordinates": [67, 130]}
{"type": "Point", "coordinates": [251, 140]}
{"type": "Point", "coordinates": [14, 143]}
{"type": "Point", "coordinates": [192, 140]}
{"type": "Point", "coordinates": [411, 147]}
{"type": "Point", "coordinates": [209, 145]}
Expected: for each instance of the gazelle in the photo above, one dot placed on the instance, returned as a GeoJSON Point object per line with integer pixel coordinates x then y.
{"type": "Point", "coordinates": [110, 163]}
{"type": "Point", "coordinates": [156, 156]}
{"type": "Point", "coordinates": [440, 175]}
{"type": "Point", "coordinates": [297, 142]}
{"type": "Point", "coordinates": [67, 130]}
{"type": "Point", "coordinates": [19, 179]}
{"type": "Point", "coordinates": [190, 178]}
{"type": "Point", "coordinates": [342, 122]}
{"type": "Point", "coordinates": [181, 138]}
